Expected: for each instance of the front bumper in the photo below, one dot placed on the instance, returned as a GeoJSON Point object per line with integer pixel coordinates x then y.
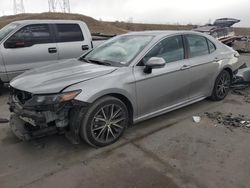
{"type": "Point", "coordinates": [32, 117]}
{"type": "Point", "coordinates": [24, 132]}
{"type": "Point", "coordinates": [41, 116]}
{"type": "Point", "coordinates": [38, 121]}
{"type": "Point", "coordinates": [32, 123]}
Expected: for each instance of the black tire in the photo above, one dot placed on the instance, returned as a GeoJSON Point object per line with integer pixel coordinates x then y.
{"type": "Point", "coordinates": [99, 122]}
{"type": "Point", "coordinates": [221, 86]}
{"type": "Point", "coordinates": [1, 87]}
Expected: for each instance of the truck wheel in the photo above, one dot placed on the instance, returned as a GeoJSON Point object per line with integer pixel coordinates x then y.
{"type": "Point", "coordinates": [221, 86]}
{"type": "Point", "coordinates": [104, 122]}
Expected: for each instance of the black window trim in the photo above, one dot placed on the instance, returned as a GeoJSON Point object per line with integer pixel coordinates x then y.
{"type": "Point", "coordinates": [215, 47]}
{"type": "Point", "coordinates": [176, 35]}
{"type": "Point", "coordinates": [57, 33]}
{"type": "Point", "coordinates": [50, 30]}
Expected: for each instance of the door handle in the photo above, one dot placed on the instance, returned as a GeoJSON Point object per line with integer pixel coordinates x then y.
{"type": "Point", "coordinates": [184, 67]}
{"type": "Point", "coordinates": [85, 47]}
{"type": "Point", "coordinates": [52, 50]}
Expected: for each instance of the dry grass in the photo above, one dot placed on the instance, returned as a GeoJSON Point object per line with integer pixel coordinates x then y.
{"type": "Point", "coordinates": [105, 27]}
{"type": "Point", "coordinates": [242, 31]}
{"type": "Point", "coordinates": [94, 25]}
{"type": "Point", "coordinates": [143, 27]}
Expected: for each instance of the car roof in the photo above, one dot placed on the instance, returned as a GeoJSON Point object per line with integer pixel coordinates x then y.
{"type": "Point", "coordinates": [205, 28]}
{"type": "Point", "coordinates": [46, 21]}
{"type": "Point", "coordinates": [162, 33]}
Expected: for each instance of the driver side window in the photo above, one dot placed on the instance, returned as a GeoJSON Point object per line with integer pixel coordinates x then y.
{"type": "Point", "coordinates": [30, 35]}
{"type": "Point", "coordinates": [170, 49]}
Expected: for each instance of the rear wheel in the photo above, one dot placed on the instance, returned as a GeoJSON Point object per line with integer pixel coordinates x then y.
{"type": "Point", "coordinates": [104, 122]}
{"type": "Point", "coordinates": [1, 87]}
{"type": "Point", "coordinates": [221, 86]}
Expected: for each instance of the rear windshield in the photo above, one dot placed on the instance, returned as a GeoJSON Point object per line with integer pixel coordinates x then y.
{"type": "Point", "coordinates": [7, 30]}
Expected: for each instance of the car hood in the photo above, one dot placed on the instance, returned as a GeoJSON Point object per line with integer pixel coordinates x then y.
{"type": "Point", "coordinates": [54, 78]}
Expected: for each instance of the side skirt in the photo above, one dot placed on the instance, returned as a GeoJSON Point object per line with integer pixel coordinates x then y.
{"type": "Point", "coordinates": [168, 109]}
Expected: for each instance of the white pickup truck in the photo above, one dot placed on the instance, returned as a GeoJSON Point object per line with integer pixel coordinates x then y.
{"type": "Point", "coordinates": [31, 43]}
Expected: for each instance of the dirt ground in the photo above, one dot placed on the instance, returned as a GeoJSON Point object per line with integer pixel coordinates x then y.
{"type": "Point", "coordinates": [167, 151]}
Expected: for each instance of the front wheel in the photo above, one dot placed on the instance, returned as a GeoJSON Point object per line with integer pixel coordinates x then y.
{"type": "Point", "coordinates": [221, 86]}
{"type": "Point", "coordinates": [104, 122]}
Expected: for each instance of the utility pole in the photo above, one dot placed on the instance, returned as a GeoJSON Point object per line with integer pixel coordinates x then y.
{"type": "Point", "coordinates": [18, 7]}
{"type": "Point", "coordinates": [52, 5]}
{"type": "Point", "coordinates": [59, 6]}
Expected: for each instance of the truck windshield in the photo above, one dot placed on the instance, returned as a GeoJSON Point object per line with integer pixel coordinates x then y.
{"type": "Point", "coordinates": [7, 29]}
{"type": "Point", "coordinates": [120, 50]}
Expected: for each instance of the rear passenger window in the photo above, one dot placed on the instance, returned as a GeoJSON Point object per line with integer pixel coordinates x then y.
{"type": "Point", "coordinates": [69, 33]}
{"type": "Point", "coordinates": [197, 45]}
{"type": "Point", "coordinates": [170, 49]}
{"type": "Point", "coordinates": [211, 46]}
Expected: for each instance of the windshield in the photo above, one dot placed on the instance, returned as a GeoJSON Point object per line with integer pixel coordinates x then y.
{"type": "Point", "coordinates": [6, 30]}
{"type": "Point", "coordinates": [119, 51]}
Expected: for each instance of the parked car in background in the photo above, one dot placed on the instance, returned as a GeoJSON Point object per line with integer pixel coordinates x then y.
{"type": "Point", "coordinates": [127, 79]}
{"type": "Point", "coordinates": [32, 43]}
{"type": "Point", "coordinates": [246, 38]}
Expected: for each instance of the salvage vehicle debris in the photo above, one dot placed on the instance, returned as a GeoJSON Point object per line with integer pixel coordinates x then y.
{"type": "Point", "coordinates": [243, 93]}
{"type": "Point", "coordinates": [243, 75]}
{"type": "Point", "coordinates": [221, 29]}
{"type": "Point", "coordinates": [246, 38]}
{"type": "Point", "coordinates": [196, 119]}
{"type": "Point", "coordinates": [229, 120]}
{"type": "Point", "coordinates": [125, 80]}
{"type": "Point", "coordinates": [3, 120]}
{"type": "Point", "coordinates": [241, 45]}
{"type": "Point", "coordinates": [241, 83]}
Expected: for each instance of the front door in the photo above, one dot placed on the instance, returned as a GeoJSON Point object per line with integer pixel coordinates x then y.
{"type": "Point", "coordinates": [32, 46]}
{"type": "Point", "coordinates": [164, 87]}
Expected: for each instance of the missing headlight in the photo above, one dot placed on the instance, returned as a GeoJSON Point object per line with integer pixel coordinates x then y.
{"type": "Point", "coordinates": [50, 99]}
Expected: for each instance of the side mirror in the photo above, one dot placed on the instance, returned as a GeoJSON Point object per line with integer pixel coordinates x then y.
{"type": "Point", "coordinates": [17, 44]}
{"type": "Point", "coordinates": [154, 63]}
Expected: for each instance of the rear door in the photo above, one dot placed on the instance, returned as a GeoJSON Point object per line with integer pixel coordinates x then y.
{"type": "Point", "coordinates": [70, 40]}
{"type": "Point", "coordinates": [203, 65]}
{"type": "Point", "coordinates": [30, 47]}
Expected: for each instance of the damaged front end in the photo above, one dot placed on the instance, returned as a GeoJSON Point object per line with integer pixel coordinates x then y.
{"type": "Point", "coordinates": [35, 116]}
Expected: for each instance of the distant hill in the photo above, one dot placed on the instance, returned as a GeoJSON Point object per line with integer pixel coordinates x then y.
{"type": "Point", "coordinates": [105, 27]}
{"type": "Point", "coordinates": [94, 25]}
{"type": "Point", "coordinates": [141, 27]}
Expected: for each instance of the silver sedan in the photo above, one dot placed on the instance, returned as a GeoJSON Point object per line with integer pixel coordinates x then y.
{"type": "Point", "coordinates": [130, 78]}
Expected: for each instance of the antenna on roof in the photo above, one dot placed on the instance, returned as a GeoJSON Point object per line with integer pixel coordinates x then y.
{"type": "Point", "coordinates": [59, 6]}
{"type": "Point", "coordinates": [18, 6]}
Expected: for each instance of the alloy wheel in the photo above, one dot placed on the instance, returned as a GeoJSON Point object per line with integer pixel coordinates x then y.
{"type": "Point", "coordinates": [108, 123]}
{"type": "Point", "coordinates": [223, 85]}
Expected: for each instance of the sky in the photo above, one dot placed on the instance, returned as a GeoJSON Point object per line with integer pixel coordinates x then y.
{"type": "Point", "coordinates": [145, 11]}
